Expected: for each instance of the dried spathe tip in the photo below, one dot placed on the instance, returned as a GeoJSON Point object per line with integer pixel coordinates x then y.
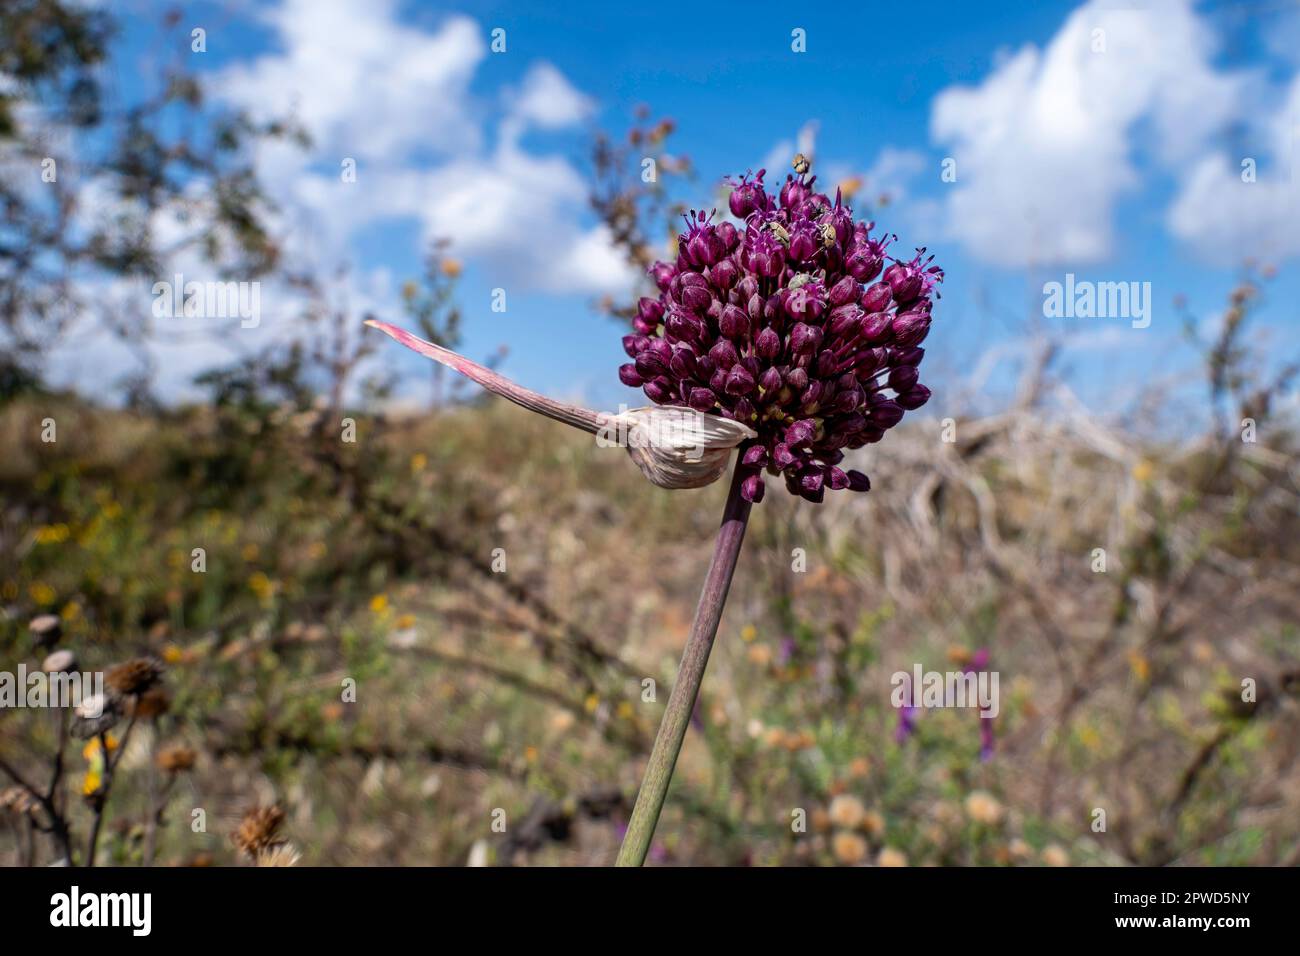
{"type": "Point", "coordinates": [674, 446]}
{"type": "Point", "coordinates": [499, 384]}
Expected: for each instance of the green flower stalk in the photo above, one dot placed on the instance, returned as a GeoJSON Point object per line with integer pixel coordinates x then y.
{"type": "Point", "coordinates": [690, 673]}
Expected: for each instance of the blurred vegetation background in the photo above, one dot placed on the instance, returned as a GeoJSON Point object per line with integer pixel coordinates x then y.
{"type": "Point", "coordinates": [354, 678]}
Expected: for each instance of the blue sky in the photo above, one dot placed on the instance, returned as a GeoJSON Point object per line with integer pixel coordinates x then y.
{"type": "Point", "coordinates": [1115, 161]}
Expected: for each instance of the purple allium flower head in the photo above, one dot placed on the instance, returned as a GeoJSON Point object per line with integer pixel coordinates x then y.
{"type": "Point", "coordinates": [799, 324]}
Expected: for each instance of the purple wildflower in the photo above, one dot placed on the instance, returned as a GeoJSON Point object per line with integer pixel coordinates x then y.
{"type": "Point", "coordinates": [906, 715]}
{"type": "Point", "coordinates": [980, 661]}
{"type": "Point", "coordinates": [800, 326]}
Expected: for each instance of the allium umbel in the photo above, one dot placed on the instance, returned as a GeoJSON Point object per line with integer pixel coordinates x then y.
{"type": "Point", "coordinates": [797, 323]}
{"type": "Point", "coordinates": [792, 336]}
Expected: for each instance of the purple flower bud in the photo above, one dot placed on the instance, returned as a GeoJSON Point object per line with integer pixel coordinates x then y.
{"type": "Point", "coordinates": [848, 425]}
{"type": "Point", "coordinates": [827, 364]}
{"type": "Point", "coordinates": [811, 480]}
{"type": "Point", "coordinates": [769, 381]}
{"type": "Point", "coordinates": [767, 345]}
{"type": "Point", "coordinates": [739, 381]}
{"type": "Point", "coordinates": [836, 478]}
{"type": "Point", "coordinates": [803, 245]}
{"type": "Point", "coordinates": [727, 235]}
{"type": "Point", "coordinates": [683, 364]}
{"type": "Point", "coordinates": [747, 196]}
{"type": "Point", "coordinates": [695, 298]}
{"type": "Point", "coordinates": [649, 364]}
{"type": "Point", "coordinates": [877, 297]}
{"type": "Point", "coordinates": [632, 344]}
{"type": "Point", "coordinates": [733, 323]}
{"type": "Point", "coordinates": [848, 400]}
{"type": "Point", "coordinates": [800, 433]}
{"type": "Point", "coordinates": [659, 390]}
{"type": "Point", "coordinates": [863, 265]}
{"type": "Point", "coordinates": [906, 356]}
{"type": "Point", "coordinates": [806, 302]}
{"type": "Point", "coordinates": [804, 339]}
{"type": "Point", "coordinates": [911, 328]}
{"type": "Point", "coordinates": [755, 455]}
{"type": "Point", "coordinates": [844, 318]}
{"type": "Point", "coordinates": [797, 379]}
{"type": "Point", "coordinates": [663, 273]}
{"type": "Point", "coordinates": [752, 488]}
{"type": "Point", "coordinates": [914, 397]}
{"type": "Point", "coordinates": [628, 375]}
{"type": "Point", "coordinates": [886, 414]}
{"type": "Point", "coordinates": [905, 282]}
{"type": "Point", "coordinates": [782, 456]}
{"type": "Point", "coordinates": [793, 192]}
{"type": "Point", "coordinates": [718, 380]}
{"type": "Point", "coordinates": [816, 497]}
{"type": "Point", "coordinates": [682, 326]}
{"type": "Point", "coordinates": [902, 378]}
{"type": "Point", "coordinates": [844, 291]}
{"type": "Point", "coordinates": [877, 327]}
{"type": "Point", "coordinates": [743, 411]}
{"type": "Point", "coordinates": [858, 481]}
{"type": "Point", "coordinates": [725, 273]}
{"type": "Point", "coordinates": [763, 251]}
{"type": "Point", "coordinates": [702, 399]}
{"type": "Point", "coordinates": [651, 310]}
{"type": "Point", "coordinates": [723, 354]}
{"type": "Point", "coordinates": [703, 249]}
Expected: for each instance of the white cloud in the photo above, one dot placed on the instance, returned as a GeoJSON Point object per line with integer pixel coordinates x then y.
{"type": "Point", "coordinates": [548, 100]}
{"type": "Point", "coordinates": [396, 98]}
{"type": "Point", "coordinates": [1226, 218]}
{"type": "Point", "coordinates": [362, 83]}
{"type": "Point", "coordinates": [1045, 145]}
{"type": "Point", "coordinates": [893, 172]}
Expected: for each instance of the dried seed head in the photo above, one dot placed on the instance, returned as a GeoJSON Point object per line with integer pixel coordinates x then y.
{"type": "Point", "coordinates": [60, 662]}
{"type": "Point", "coordinates": [176, 758]}
{"type": "Point", "coordinates": [96, 714]}
{"type": "Point", "coordinates": [281, 854]}
{"type": "Point", "coordinates": [847, 811]}
{"type": "Point", "coordinates": [257, 831]}
{"type": "Point", "coordinates": [153, 703]}
{"type": "Point", "coordinates": [45, 629]}
{"type": "Point", "coordinates": [134, 676]}
{"type": "Point", "coordinates": [849, 848]}
{"type": "Point", "coordinates": [17, 801]}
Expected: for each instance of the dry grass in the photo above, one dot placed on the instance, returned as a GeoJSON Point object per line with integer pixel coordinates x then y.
{"type": "Point", "coordinates": [483, 696]}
